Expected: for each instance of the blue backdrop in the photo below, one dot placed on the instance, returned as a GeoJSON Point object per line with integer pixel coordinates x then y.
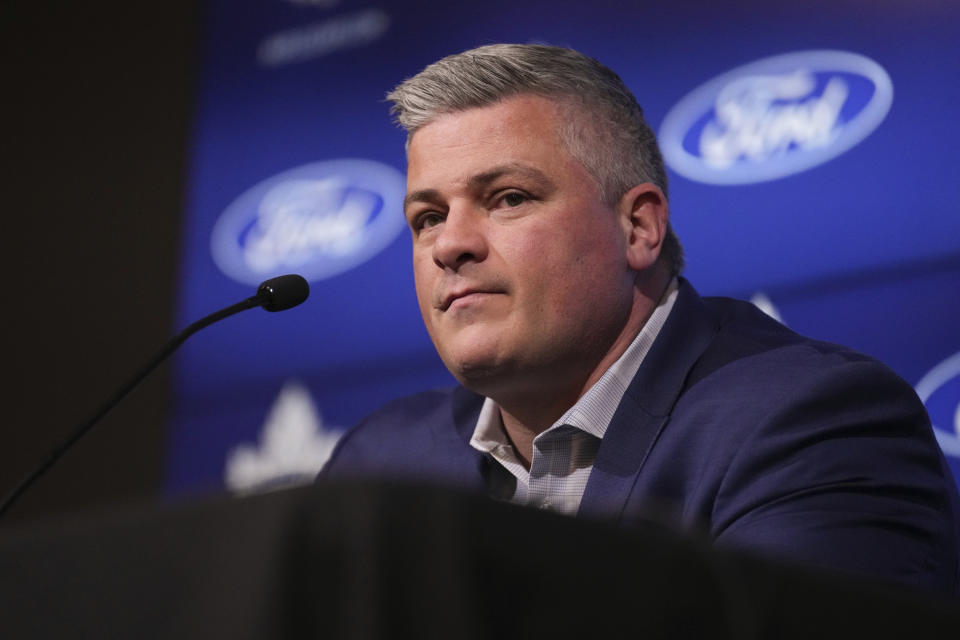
{"type": "Point", "coordinates": [813, 166]}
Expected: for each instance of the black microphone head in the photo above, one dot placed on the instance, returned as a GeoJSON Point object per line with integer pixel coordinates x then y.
{"type": "Point", "coordinates": [283, 292]}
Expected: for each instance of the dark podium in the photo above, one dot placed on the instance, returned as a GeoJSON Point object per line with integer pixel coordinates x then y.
{"type": "Point", "coordinates": [385, 561]}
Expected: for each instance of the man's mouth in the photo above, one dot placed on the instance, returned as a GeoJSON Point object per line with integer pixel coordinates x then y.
{"type": "Point", "coordinates": [464, 295]}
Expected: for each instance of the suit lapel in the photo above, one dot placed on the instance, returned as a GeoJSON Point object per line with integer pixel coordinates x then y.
{"type": "Point", "coordinates": [645, 409]}
{"type": "Point", "coordinates": [462, 463]}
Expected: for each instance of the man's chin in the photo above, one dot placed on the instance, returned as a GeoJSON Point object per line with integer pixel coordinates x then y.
{"type": "Point", "coordinates": [480, 374]}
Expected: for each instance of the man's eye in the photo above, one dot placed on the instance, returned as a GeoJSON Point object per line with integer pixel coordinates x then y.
{"type": "Point", "coordinates": [428, 220]}
{"type": "Point", "coordinates": [514, 199]}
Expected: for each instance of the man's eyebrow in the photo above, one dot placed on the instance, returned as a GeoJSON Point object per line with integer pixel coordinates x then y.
{"type": "Point", "coordinates": [482, 180]}
{"type": "Point", "coordinates": [421, 195]}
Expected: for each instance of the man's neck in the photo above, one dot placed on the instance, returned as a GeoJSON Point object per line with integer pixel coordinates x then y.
{"type": "Point", "coordinates": [527, 414]}
{"type": "Point", "coordinates": [528, 420]}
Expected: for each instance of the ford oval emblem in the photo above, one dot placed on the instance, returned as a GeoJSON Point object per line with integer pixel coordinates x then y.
{"type": "Point", "coordinates": [775, 117]}
{"type": "Point", "coordinates": [319, 220]}
{"type": "Point", "coordinates": [939, 390]}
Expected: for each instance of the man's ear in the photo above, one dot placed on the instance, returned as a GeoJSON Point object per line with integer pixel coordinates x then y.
{"type": "Point", "coordinates": [643, 212]}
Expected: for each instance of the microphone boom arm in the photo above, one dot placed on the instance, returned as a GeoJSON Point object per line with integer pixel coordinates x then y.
{"type": "Point", "coordinates": [276, 294]}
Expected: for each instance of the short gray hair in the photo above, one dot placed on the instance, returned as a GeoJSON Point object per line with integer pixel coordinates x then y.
{"type": "Point", "coordinates": [614, 120]}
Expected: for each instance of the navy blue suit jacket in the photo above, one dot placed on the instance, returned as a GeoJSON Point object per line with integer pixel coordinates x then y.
{"type": "Point", "coordinates": [737, 427]}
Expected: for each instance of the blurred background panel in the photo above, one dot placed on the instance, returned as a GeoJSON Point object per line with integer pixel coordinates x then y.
{"type": "Point", "coordinates": [97, 102]}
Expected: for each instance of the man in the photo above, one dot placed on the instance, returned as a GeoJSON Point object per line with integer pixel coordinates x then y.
{"type": "Point", "coordinates": [595, 381]}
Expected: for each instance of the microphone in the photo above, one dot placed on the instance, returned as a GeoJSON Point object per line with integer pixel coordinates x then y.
{"type": "Point", "coordinates": [283, 292]}
{"type": "Point", "coordinates": [275, 294]}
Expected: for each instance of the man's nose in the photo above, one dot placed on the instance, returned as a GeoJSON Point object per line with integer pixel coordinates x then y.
{"type": "Point", "coordinates": [462, 239]}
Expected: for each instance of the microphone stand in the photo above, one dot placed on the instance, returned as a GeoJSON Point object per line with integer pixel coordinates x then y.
{"type": "Point", "coordinates": [273, 295]}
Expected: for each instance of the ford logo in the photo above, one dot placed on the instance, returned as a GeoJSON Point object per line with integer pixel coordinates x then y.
{"type": "Point", "coordinates": [319, 220]}
{"type": "Point", "coordinates": [940, 392]}
{"type": "Point", "coordinates": [775, 117]}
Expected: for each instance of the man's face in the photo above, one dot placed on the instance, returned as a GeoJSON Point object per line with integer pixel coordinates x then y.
{"type": "Point", "coordinates": [520, 266]}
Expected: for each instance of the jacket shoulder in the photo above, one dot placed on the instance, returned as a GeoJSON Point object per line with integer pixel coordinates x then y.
{"type": "Point", "coordinates": [398, 436]}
